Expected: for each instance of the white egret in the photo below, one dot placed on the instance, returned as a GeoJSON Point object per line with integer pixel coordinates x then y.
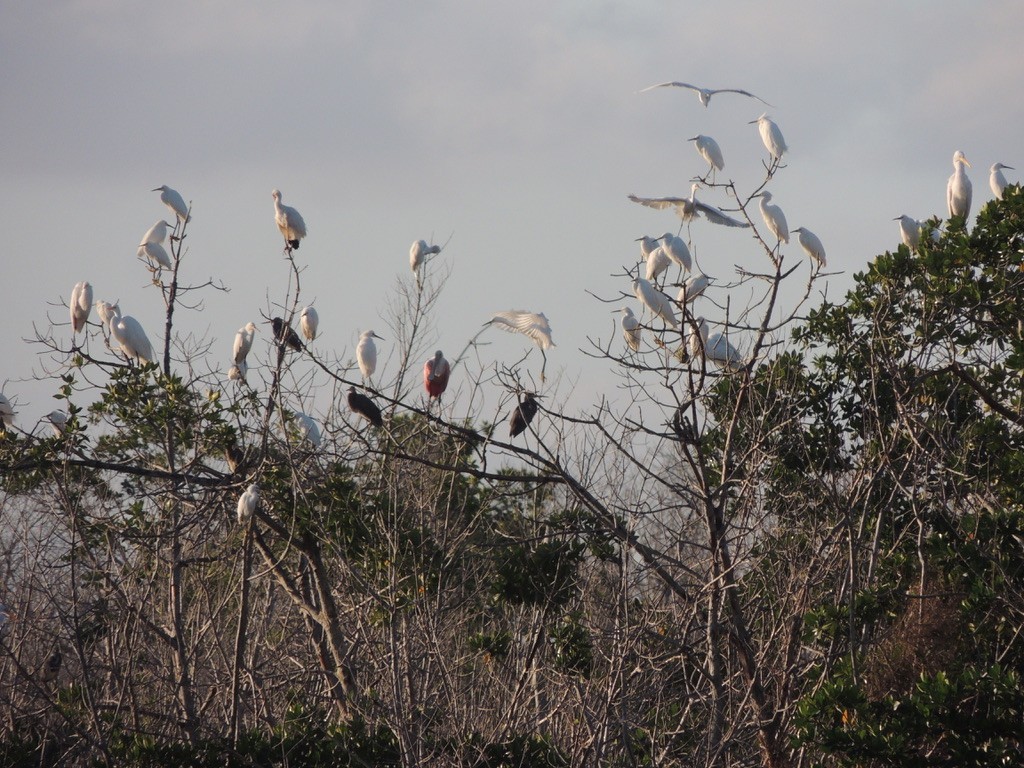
{"type": "Point", "coordinates": [677, 250]}
{"type": "Point", "coordinates": [656, 301]}
{"type": "Point", "coordinates": [289, 221]}
{"type": "Point", "coordinates": [418, 256]}
{"type": "Point", "coordinates": [308, 429]}
{"type": "Point", "coordinates": [157, 253]}
{"type": "Point", "coordinates": [247, 504]}
{"type": "Point", "coordinates": [774, 218]}
{"type": "Point", "coordinates": [239, 371]}
{"type": "Point", "coordinates": [996, 180]}
{"type": "Point", "coordinates": [156, 234]}
{"type": "Point", "coordinates": [647, 244]}
{"type": "Point", "coordinates": [771, 136]}
{"type": "Point", "coordinates": [80, 306]}
{"type": "Point", "coordinates": [705, 94]}
{"type": "Point", "coordinates": [243, 342]}
{"type": "Point", "coordinates": [532, 324]}
{"type": "Point", "coordinates": [435, 375]}
{"type": "Point", "coordinates": [657, 262]}
{"type": "Point", "coordinates": [630, 328]}
{"type": "Point", "coordinates": [718, 350]}
{"type": "Point", "coordinates": [128, 332]}
{"type": "Point", "coordinates": [693, 287]}
{"type": "Point", "coordinates": [910, 231]}
{"type": "Point", "coordinates": [173, 200]}
{"type": "Point", "coordinates": [708, 149]}
{"type": "Point", "coordinates": [366, 353]}
{"type": "Point", "coordinates": [697, 338]}
{"type": "Point", "coordinates": [6, 411]}
{"type": "Point", "coordinates": [688, 207]}
{"type": "Point", "coordinates": [58, 420]}
{"type": "Point", "coordinates": [811, 244]}
{"type": "Point", "coordinates": [958, 190]}
{"type": "Point", "coordinates": [106, 311]}
{"type": "Point", "coordinates": [309, 321]}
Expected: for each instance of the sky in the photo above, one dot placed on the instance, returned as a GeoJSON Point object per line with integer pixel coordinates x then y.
{"type": "Point", "coordinates": [516, 130]}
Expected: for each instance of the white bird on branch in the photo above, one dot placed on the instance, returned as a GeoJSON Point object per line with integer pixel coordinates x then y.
{"type": "Point", "coordinates": [80, 306]}
{"type": "Point", "coordinates": [128, 332]}
{"type": "Point", "coordinates": [958, 189]}
{"type": "Point", "coordinates": [708, 149]}
{"type": "Point", "coordinates": [996, 179]}
{"type": "Point", "coordinates": [774, 218]}
{"type": "Point", "coordinates": [157, 253]}
{"type": "Point", "coordinates": [418, 253]}
{"type": "Point", "coordinates": [247, 504]}
{"type": "Point", "coordinates": [156, 234]}
{"type": "Point", "coordinates": [243, 342]}
{"type": "Point", "coordinates": [289, 221]}
{"type": "Point", "coordinates": [173, 200]}
{"type": "Point", "coordinates": [677, 250]}
{"type": "Point", "coordinates": [812, 246]}
{"type": "Point", "coordinates": [630, 328]}
{"type": "Point", "coordinates": [656, 301]}
{"type": "Point", "coordinates": [366, 353]}
{"type": "Point", "coordinates": [309, 321]}
{"type": "Point", "coordinates": [693, 287]}
{"type": "Point", "coordinates": [6, 411]}
{"type": "Point", "coordinates": [657, 262]}
{"type": "Point", "coordinates": [910, 231]}
{"type": "Point", "coordinates": [771, 136]}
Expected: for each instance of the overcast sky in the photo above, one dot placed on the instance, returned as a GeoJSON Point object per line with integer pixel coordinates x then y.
{"type": "Point", "coordinates": [516, 128]}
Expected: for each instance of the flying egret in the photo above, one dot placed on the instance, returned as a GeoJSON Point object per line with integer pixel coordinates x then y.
{"type": "Point", "coordinates": [708, 149]}
{"type": "Point", "coordinates": [688, 207]}
{"type": "Point", "coordinates": [677, 250]}
{"type": "Point", "coordinates": [705, 94]}
{"type": "Point", "coordinates": [157, 253]}
{"type": "Point", "coordinates": [535, 325]}
{"type": "Point", "coordinates": [774, 218]}
{"type": "Point", "coordinates": [522, 415]}
{"type": "Point", "coordinates": [289, 221]}
{"type": "Point", "coordinates": [657, 262]}
{"type": "Point", "coordinates": [58, 420]}
{"type": "Point", "coordinates": [997, 181]}
{"type": "Point", "coordinates": [106, 311]}
{"type": "Point", "coordinates": [771, 136]}
{"type": "Point", "coordinates": [173, 200]}
{"type": "Point", "coordinates": [630, 328]}
{"type": "Point", "coordinates": [656, 301]}
{"type": "Point", "coordinates": [910, 231]}
{"type": "Point", "coordinates": [6, 411]}
{"type": "Point", "coordinates": [811, 244]}
{"type": "Point", "coordinates": [958, 190]}
{"type": "Point", "coordinates": [128, 332]}
{"type": "Point", "coordinates": [693, 287]}
{"type": "Point", "coordinates": [247, 504]}
{"type": "Point", "coordinates": [239, 372]}
{"type": "Point", "coordinates": [308, 322]}
{"type": "Point", "coordinates": [243, 342]}
{"type": "Point", "coordinates": [366, 353]}
{"type": "Point", "coordinates": [285, 334]}
{"type": "Point", "coordinates": [435, 374]}
{"type": "Point", "coordinates": [156, 234]}
{"type": "Point", "coordinates": [80, 306]}
{"type": "Point", "coordinates": [365, 407]}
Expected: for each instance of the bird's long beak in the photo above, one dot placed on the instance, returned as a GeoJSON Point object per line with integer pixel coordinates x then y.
{"type": "Point", "coordinates": [966, 162]}
{"type": "Point", "coordinates": [155, 189]}
{"type": "Point", "coordinates": [1009, 168]}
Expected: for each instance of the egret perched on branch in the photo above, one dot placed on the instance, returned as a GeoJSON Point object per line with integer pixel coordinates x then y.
{"type": "Point", "coordinates": [156, 234]}
{"type": "Point", "coordinates": [697, 338]}
{"type": "Point", "coordinates": [532, 324]}
{"type": "Point", "coordinates": [647, 244]}
{"type": "Point", "coordinates": [6, 411]}
{"type": "Point", "coordinates": [106, 311]}
{"type": "Point", "coordinates": [418, 256]}
{"type": "Point", "coordinates": [693, 287]}
{"type": "Point", "coordinates": [656, 301]}
{"type": "Point", "coordinates": [997, 181]}
{"type": "Point", "coordinates": [811, 244]}
{"type": "Point", "coordinates": [630, 328]}
{"type": "Point", "coordinates": [720, 351]}
{"type": "Point", "coordinates": [289, 221]}
{"type": "Point", "coordinates": [366, 353]}
{"type": "Point", "coordinates": [173, 200]}
{"type": "Point", "coordinates": [688, 207]}
{"type": "Point", "coordinates": [247, 504]}
{"type": "Point", "coordinates": [128, 332]}
{"type": "Point", "coordinates": [435, 374]}
{"type": "Point", "coordinates": [958, 190]}
{"type": "Point", "coordinates": [58, 421]}
{"type": "Point", "coordinates": [80, 306]}
{"type": "Point", "coordinates": [285, 334]}
{"type": "Point", "coordinates": [705, 94]}
{"type": "Point", "coordinates": [677, 250]}
{"type": "Point", "coordinates": [308, 430]}
{"type": "Point", "coordinates": [771, 136]}
{"type": "Point", "coordinates": [243, 342]}
{"type": "Point", "coordinates": [308, 322]}
{"type": "Point", "coordinates": [657, 262]}
{"type": "Point", "coordinates": [365, 407]}
{"type": "Point", "coordinates": [910, 231]}
{"type": "Point", "coordinates": [774, 218]}
{"type": "Point", "coordinates": [708, 149]}
{"type": "Point", "coordinates": [239, 372]}
{"type": "Point", "coordinates": [522, 415]}
{"type": "Point", "coordinates": [157, 253]}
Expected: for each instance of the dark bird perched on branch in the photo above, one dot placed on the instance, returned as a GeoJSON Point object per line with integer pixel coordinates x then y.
{"type": "Point", "coordinates": [49, 670]}
{"type": "Point", "coordinates": [286, 334]}
{"type": "Point", "coordinates": [523, 415]}
{"type": "Point", "coordinates": [365, 407]}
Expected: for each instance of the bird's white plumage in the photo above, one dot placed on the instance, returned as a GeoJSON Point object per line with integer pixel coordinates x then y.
{"type": "Point", "coordinates": [705, 94]}
{"type": "Point", "coordinates": [173, 200]}
{"type": "Point", "coordinates": [771, 136]}
{"type": "Point", "coordinates": [647, 244]}
{"type": "Point", "coordinates": [238, 371]}
{"type": "Point", "coordinates": [958, 189]}
{"type": "Point", "coordinates": [720, 351]}
{"type": "Point", "coordinates": [910, 231]}
{"type": "Point", "coordinates": [418, 253]}
{"type": "Point", "coordinates": [6, 411]}
{"type": "Point", "coordinates": [996, 179]}
{"type": "Point", "coordinates": [106, 311]}
{"type": "Point", "coordinates": [774, 218]}
{"type": "Point", "coordinates": [243, 342]}
{"type": "Point", "coordinates": [80, 305]}
{"type": "Point", "coordinates": [157, 253]}
{"type": "Point", "coordinates": [688, 207]}
{"type": "Point", "coordinates": [697, 337]}
{"type": "Point", "coordinates": [708, 148]}
{"type": "Point", "coordinates": [366, 353]}
{"type": "Point", "coordinates": [630, 328]}
{"type": "Point", "coordinates": [308, 429]}
{"type": "Point", "coordinates": [656, 301]}
{"type": "Point", "coordinates": [694, 286]}
{"type": "Point", "coordinates": [532, 324]}
{"type": "Point", "coordinates": [309, 321]}
{"type": "Point", "coordinates": [677, 250]}
{"type": "Point", "coordinates": [128, 332]}
{"type": "Point", "coordinates": [657, 262]}
{"type": "Point", "coordinates": [811, 244]}
{"type": "Point", "coordinates": [289, 221]}
{"type": "Point", "coordinates": [155, 234]}
{"type": "Point", "coordinates": [247, 504]}
{"type": "Point", "coordinates": [58, 420]}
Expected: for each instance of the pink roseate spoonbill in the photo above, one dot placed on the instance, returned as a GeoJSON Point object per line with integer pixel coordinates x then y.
{"type": "Point", "coordinates": [435, 375]}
